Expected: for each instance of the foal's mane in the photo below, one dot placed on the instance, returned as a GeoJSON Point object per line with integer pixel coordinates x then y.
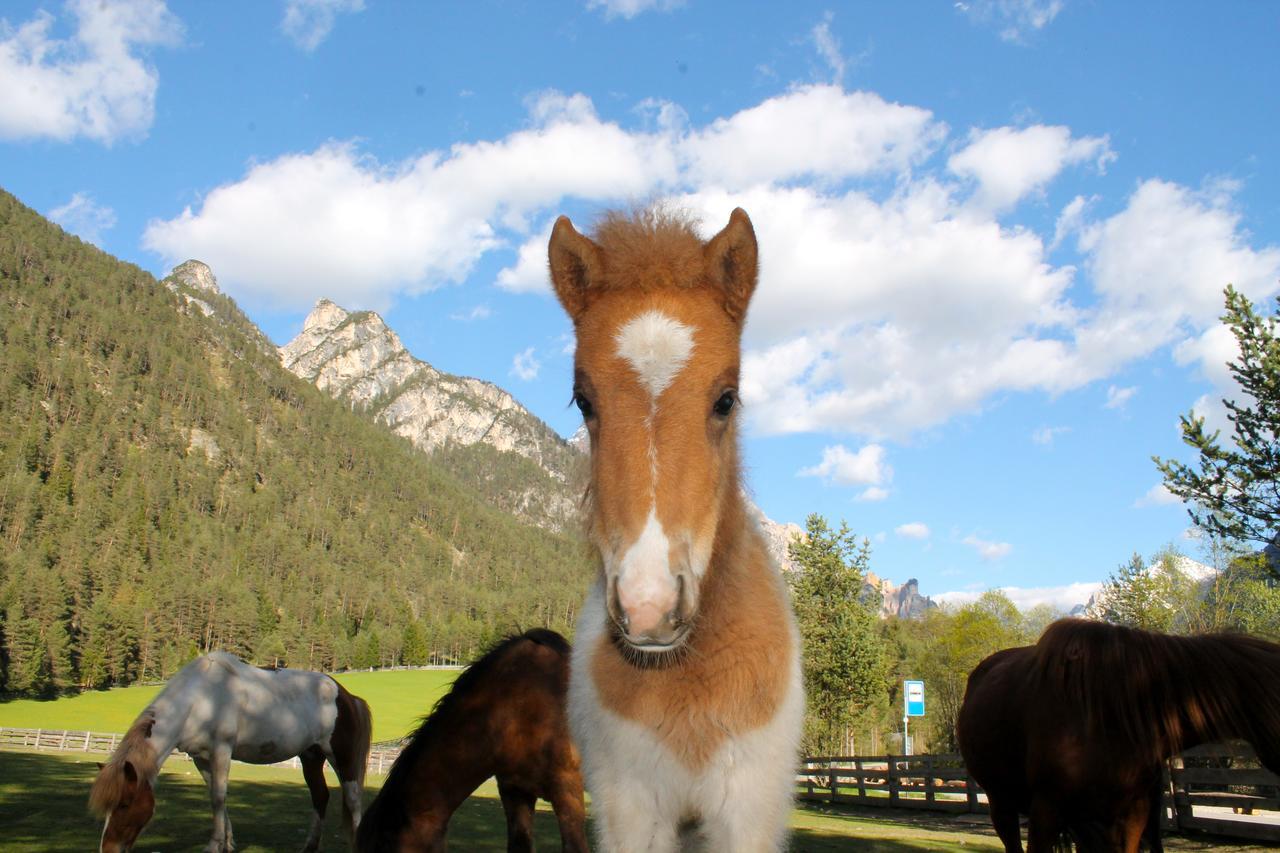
{"type": "Point", "coordinates": [648, 248]}
{"type": "Point", "coordinates": [1156, 693]}
{"type": "Point", "coordinates": [134, 748]}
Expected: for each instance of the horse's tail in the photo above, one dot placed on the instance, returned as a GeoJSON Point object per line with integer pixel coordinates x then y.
{"type": "Point", "coordinates": [355, 718]}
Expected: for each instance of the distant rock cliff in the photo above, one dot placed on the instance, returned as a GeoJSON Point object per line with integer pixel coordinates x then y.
{"type": "Point", "coordinates": [903, 601]}
{"type": "Point", "coordinates": [357, 358]}
{"type": "Point", "coordinates": [193, 280]}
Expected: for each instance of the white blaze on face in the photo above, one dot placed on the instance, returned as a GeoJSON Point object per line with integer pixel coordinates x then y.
{"type": "Point", "coordinates": [657, 347]}
{"type": "Point", "coordinates": [646, 588]}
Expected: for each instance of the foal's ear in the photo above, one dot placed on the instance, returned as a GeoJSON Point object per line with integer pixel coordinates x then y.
{"type": "Point", "coordinates": [576, 264]}
{"type": "Point", "coordinates": [732, 265]}
{"type": "Point", "coordinates": [130, 774]}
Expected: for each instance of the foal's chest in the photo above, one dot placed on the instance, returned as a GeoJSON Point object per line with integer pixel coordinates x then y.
{"type": "Point", "coordinates": [694, 707]}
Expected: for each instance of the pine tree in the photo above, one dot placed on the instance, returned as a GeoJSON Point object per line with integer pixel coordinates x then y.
{"type": "Point", "coordinates": [1236, 490]}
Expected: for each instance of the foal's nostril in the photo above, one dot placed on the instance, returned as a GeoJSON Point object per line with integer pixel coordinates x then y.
{"type": "Point", "coordinates": [614, 605]}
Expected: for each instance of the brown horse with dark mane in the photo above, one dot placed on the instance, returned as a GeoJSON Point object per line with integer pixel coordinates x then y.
{"type": "Point", "coordinates": [503, 717]}
{"type": "Point", "coordinates": [1074, 731]}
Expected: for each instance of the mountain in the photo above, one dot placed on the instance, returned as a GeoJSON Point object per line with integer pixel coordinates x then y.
{"type": "Point", "coordinates": [167, 487]}
{"type": "Point", "coordinates": [1199, 575]}
{"type": "Point", "coordinates": [474, 428]}
{"type": "Point", "coordinates": [904, 601]}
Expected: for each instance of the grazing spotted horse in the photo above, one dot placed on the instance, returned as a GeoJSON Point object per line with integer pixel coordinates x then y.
{"type": "Point", "coordinates": [1075, 730]}
{"type": "Point", "coordinates": [685, 693]}
{"type": "Point", "coordinates": [218, 708]}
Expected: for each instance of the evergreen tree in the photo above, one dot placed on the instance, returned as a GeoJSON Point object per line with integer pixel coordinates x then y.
{"type": "Point", "coordinates": [1159, 597]}
{"type": "Point", "coordinates": [1235, 489]}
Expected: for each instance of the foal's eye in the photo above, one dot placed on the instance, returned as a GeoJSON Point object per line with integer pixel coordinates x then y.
{"type": "Point", "coordinates": [725, 404]}
{"type": "Point", "coordinates": [584, 405]}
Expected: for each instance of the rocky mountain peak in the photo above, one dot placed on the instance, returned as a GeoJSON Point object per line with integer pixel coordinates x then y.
{"type": "Point", "coordinates": [325, 317]}
{"type": "Point", "coordinates": [356, 357]}
{"type": "Point", "coordinates": [196, 274]}
{"type": "Point", "coordinates": [903, 601]}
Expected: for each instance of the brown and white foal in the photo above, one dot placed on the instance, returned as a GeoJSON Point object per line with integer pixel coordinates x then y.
{"type": "Point", "coordinates": [685, 695]}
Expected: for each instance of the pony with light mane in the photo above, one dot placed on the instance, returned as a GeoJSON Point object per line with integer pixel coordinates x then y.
{"type": "Point", "coordinates": [685, 693]}
{"type": "Point", "coordinates": [218, 708]}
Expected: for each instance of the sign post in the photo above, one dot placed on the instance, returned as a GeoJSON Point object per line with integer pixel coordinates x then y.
{"type": "Point", "coordinates": [912, 706]}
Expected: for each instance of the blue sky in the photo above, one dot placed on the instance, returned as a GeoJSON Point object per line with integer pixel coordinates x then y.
{"type": "Point", "coordinates": [994, 234]}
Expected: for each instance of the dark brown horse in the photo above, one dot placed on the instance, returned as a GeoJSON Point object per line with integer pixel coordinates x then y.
{"type": "Point", "coordinates": [503, 717]}
{"type": "Point", "coordinates": [1074, 731]}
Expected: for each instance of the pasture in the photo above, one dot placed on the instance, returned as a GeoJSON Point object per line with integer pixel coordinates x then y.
{"type": "Point", "coordinates": [42, 807]}
{"type": "Point", "coordinates": [43, 795]}
{"type": "Point", "coordinates": [399, 698]}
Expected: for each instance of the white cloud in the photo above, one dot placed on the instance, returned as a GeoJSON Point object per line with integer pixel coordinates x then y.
{"type": "Point", "coordinates": [308, 23]}
{"type": "Point", "coordinates": [479, 312]}
{"type": "Point", "coordinates": [891, 297]}
{"type": "Point", "coordinates": [1016, 19]}
{"type": "Point", "coordinates": [84, 217]}
{"type": "Point", "coordinates": [1069, 221]}
{"type": "Point", "coordinates": [912, 530]}
{"type": "Point", "coordinates": [630, 8]}
{"type": "Point", "coordinates": [1118, 398]}
{"type": "Point", "coordinates": [1160, 265]}
{"type": "Point", "coordinates": [1060, 597]}
{"type": "Point", "coordinates": [1157, 495]}
{"type": "Point", "coordinates": [872, 494]}
{"type": "Point", "coordinates": [339, 223]}
{"type": "Point", "coordinates": [1045, 435]}
{"type": "Point", "coordinates": [988, 550]}
{"type": "Point", "coordinates": [841, 467]}
{"type": "Point", "coordinates": [828, 47]}
{"type": "Point", "coordinates": [819, 132]}
{"type": "Point", "coordinates": [93, 84]}
{"type": "Point", "coordinates": [1008, 163]}
{"type": "Point", "coordinates": [525, 365]}
{"type": "Point", "coordinates": [529, 273]}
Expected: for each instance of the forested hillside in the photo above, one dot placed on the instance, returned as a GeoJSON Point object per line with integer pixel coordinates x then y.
{"type": "Point", "coordinates": [167, 487]}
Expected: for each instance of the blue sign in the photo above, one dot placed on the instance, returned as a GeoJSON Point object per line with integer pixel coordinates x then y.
{"type": "Point", "coordinates": [913, 698]}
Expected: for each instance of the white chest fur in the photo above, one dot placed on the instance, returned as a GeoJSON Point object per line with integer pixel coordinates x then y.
{"type": "Point", "coordinates": [642, 794]}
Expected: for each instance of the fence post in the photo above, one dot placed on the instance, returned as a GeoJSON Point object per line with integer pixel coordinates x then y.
{"type": "Point", "coordinates": [862, 778]}
{"type": "Point", "coordinates": [1181, 796]}
{"type": "Point", "coordinates": [893, 780]}
{"type": "Point", "coordinates": [832, 781]}
{"type": "Point", "coordinates": [970, 791]}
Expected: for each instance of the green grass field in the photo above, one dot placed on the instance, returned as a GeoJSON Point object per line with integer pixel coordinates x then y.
{"type": "Point", "coordinates": [42, 808]}
{"type": "Point", "coordinates": [43, 795]}
{"type": "Point", "coordinates": [398, 699]}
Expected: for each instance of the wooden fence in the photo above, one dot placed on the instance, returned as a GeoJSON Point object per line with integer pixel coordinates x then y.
{"type": "Point", "coordinates": [1219, 788]}
{"type": "Point", "coordinates": [381, 757]}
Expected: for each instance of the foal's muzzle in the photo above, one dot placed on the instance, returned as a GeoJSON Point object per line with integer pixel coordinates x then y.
{"type": "Point", "coordinates": [655, 624]}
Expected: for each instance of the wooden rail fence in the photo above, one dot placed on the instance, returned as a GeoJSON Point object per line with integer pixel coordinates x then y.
{"type": "Point", "coordinates": [1218, 788]}
{"type": "Point", "coordinates": [381, 757]}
